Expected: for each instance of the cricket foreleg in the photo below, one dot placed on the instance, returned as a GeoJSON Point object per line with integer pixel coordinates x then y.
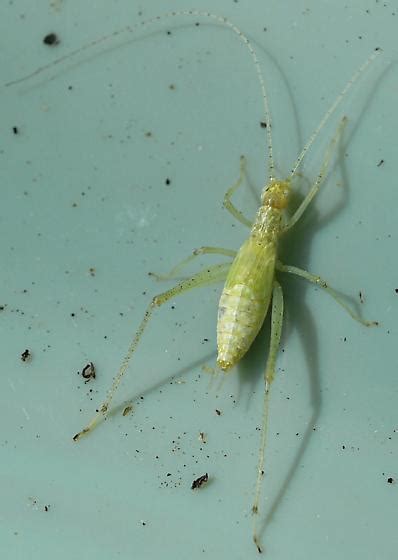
{"type": "Point", "coordinates": [321, 176]}
{"type": "Point", "coordinates": [210, 275]}
{"type": "Point", "coordinates": [322, 284]}
{"type": "Point", "coordinates": [276, 330]}
{"type": "Point", "coordinates": [228, 204]}
{"type": "Point", "coordinates": [175, 272]}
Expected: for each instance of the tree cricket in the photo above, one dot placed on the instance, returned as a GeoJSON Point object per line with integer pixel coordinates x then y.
{"type": "Point", "coordinates": [250, 275]}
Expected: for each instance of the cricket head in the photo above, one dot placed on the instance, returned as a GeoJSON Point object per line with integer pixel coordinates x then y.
{"type": "Point", "coordinates": [276, 194]}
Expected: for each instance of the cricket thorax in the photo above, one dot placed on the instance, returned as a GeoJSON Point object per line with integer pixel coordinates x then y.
{"type": "Point", "coordinates": [274, 200]}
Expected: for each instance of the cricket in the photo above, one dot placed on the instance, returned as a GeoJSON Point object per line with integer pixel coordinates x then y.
{"type": "Point", "coordinates": [251, 286]}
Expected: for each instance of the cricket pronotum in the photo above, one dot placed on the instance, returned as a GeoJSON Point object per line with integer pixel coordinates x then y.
{"type": "Point", "coordinates": [250, 281]}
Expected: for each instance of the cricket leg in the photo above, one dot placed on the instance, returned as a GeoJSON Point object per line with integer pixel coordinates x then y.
{"type": "Point", "coordinates": [210, 275]}
{"type": "Point", "coordinates": [175, 272]}
{"type": "Point", "coordinates": [321, 176]}
{"type": "Point", "coordinates": [276, 330]}
{"type": "Point", "coordinates": [228, 204]}
{"type": "Point", "coordinates": [322, 284]}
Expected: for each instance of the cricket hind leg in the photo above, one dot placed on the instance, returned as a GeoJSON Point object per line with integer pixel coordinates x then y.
{"type": "Point", "coordinates": [175, 272]}
{"type": "Point", "coordinates": [276, 331]}
{"type": "Point", "coordinates": [210, 275]}
{"type": "Point", "coordinates": [318, 281]}
{"type": "Point", "coordinates": [320, 178]}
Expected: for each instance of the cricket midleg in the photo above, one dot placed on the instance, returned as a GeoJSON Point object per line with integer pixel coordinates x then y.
{"type": "Point", "coordinates": [276, 331]}
{"type": "Point", "coordinates": [210, 275]}
{"type": "Point", "coordinates": [176, 271]}
{"type": "Point", "coordinates": [206, 250]}
{"type": "Point", "coordinates": [245, 300]}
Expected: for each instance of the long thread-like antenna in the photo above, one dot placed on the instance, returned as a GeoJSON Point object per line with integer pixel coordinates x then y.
{"type": "Point", "coordinates": [333, 107]}
{"type": "Point", "coordinates": [128, 29]}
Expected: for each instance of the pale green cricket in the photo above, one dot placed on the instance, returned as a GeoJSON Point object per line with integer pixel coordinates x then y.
{"type": "Point", "coordinates": [251, 286]}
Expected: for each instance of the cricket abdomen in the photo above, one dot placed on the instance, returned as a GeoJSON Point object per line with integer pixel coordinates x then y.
{"type": "Point", "coordinates": [244, 301]}
{"type": "Point", "coordinates": [240, 316]}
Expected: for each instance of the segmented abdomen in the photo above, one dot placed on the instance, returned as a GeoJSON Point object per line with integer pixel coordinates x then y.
{"type": "Point", "coordinates": [240, 316]}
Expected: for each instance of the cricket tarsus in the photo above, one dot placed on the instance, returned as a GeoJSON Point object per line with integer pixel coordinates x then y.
{"type": "Point", "coordinates": [259, 548]}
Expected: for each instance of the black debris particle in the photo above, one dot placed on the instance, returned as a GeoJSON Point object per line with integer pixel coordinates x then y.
{"type": "Point", "coordinates": [263, 124]}
{"type": "Point", "coordinates": [218, 412]}
{"type": "Point", "coordinates": [15, 130]}
{"type": "Point", "coordinates": [380, 163]}
{"type": "Point", "coordinates": [390, 480]}
{"type": "Point", "coordinates": [396, 290]}
{"type": "Point", "coordinates": [47, 508]}
{"type": "Point", "coordinates": [127, 409]}
{"type": "Point", "coordinates": [26, 355]}
{"type": "Point", "coordinates": [51, 40]}
{"type": "Point", "coordinates": [198, 482]}
{"type": "Point", "coordinates": [361, 298]}
{"type": "Point", "coordinates": [202, 437]}
{"type": "Point", "coordinates": [88, 372]}
{"type": "Point", "coordinates": [167, 181]}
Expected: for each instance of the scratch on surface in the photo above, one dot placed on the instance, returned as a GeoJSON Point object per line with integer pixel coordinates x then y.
{"type": "Point", "coordinates": [11, 384]}
{"type": "Point", "coordinates": [25, 413]}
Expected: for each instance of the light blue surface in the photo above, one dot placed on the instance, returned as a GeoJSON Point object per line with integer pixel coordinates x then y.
{"type": "Point", "coordinates": [83, 186]}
